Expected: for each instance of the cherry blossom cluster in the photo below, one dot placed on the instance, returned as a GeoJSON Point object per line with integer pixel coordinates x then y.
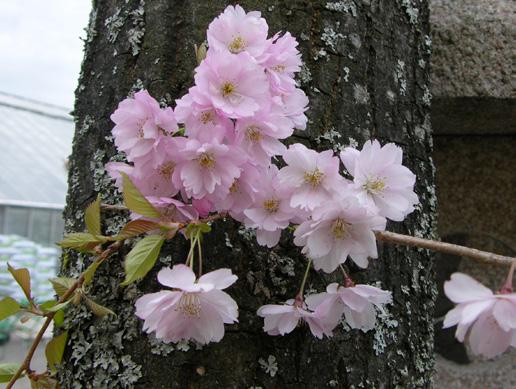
{"type": "Point", "coordinates": [217, 152]}
{"type": "Point", "coordinates": [214, 153]}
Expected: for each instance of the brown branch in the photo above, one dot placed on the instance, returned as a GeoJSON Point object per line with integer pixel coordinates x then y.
{"type": "Point", "coordinates": [25, 366]}
{"type": "Point", "coordinates": [113, 207]}
{"type": "Point", "coordinates": [443, 247]}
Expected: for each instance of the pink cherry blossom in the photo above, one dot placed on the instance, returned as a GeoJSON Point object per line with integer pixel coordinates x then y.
{"type": "Point", "coordinates": [139, 122]}
{"type": "Point", "coordinates": [314, 177]}
{"type": "Point", "coordinates": [236, 31]}
{"type": "Point", "coordinates": [295, 104]}
{"type": "Point", "coordinates": [201, 120]}
{"type": "Point", "coordinates": [271, 211]}
{"type": "Point", "coordinates": [356, 302]}
{"type": "Point", "coordinates": [241, 193]}
{"type": "Point", "coordinates": [193, 309]}
{"type": "Point", "coordinates": [233, 84]}
{"type": "Point", "coordinates": [208, 167]}
{"type": "Point", "coordinates": [339, 228]}
{"type": "Point", "coordinates": [283, 319]}
{"type": "Point", "coordinates": [258, 135]}
{"type": "Point", "coordinates": [173, 210]}
{"type": "Point", "coordinates": [488, 320]}
{"type": "Point", "coordinates": [381, 181]}
{"type": "Point", "coordinates": [282, 60]}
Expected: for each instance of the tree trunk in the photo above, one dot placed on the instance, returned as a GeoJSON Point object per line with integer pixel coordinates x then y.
{"type": "Point", "coordinates": [366, 74]}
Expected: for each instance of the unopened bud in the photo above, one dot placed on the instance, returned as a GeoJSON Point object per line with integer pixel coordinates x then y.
{"type": "Point", "coordinates": [200, 52]}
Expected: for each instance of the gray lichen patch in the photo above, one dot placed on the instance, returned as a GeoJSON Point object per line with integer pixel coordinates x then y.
{"type": "Point", "coordinates": [345, 6]}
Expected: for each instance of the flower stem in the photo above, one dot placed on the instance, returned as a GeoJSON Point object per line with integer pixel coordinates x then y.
{"type": "Point", "coordinates": [199, 247]}
{"type": "Point", "coordinates": [305, 277]}
{"type": "Point", "coordinates": [507, 286]}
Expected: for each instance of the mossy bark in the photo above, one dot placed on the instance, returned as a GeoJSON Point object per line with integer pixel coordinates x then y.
{"type": "Point", "coordinates": [366, 74]}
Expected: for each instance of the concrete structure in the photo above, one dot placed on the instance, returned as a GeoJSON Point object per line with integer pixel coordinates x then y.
{"type": "Point", "coordinates": [474, 124]}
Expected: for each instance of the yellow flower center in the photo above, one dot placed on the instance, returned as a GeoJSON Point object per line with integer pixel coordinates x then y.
{"type": "Point", "coordinates": [237, 45]}
{"type": "Point", "coordinates": [227, 89]}
{"type": "Point", "coordinates": [206, 160]}
{"type": "Point", "coordinates": [375, 186]}
{"type": "Point", "coordinates": [271, 205]}
{"type": "Point", "coordinates": [167, 169]}
{"type": "Point", "coordinates": [234, 187]}
{"type": "Point", "coordinates": [207, 117]}
{"type": "Point", "coordinates": [190, 305]}
{"type": "Point", "coordinates": [314, 178]}
{"type": "Point", "coordinates": [278, 68]}
{"type": "Point", "coordinates": [340, 229]}
{"type": "Point", "coordinates": [253, 134]}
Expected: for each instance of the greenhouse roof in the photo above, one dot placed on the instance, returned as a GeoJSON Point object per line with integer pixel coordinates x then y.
{"type": "Point", "coordinates": [36, 140]}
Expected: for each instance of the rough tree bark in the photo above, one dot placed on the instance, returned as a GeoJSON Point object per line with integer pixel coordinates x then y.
{"type": "Point", "coordinates": [366, 74]}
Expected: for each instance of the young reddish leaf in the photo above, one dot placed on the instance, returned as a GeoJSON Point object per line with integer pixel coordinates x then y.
{"type": "Point", "coordinates": [142, 258]}
{"type": "Point", "coordinates": [135, 201]}
{"type": "Point", "coordinates": [8, 307]}
{"type": "Point", "coordinates": [55, 349]}
{"type": "Point", "coordinates": [22, 277]}
{"type": "Point", "coordinates": [92, 217]}
{"type": "Point", "coordinates": [135, 228]}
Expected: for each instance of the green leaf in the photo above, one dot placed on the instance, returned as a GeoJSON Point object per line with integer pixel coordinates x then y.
{"type": "Point", "coordinates": [7, 371]}
{"type": "Point", "coordinates": [58, 307]}
{"type": "Point", "coordinates": [81, 241]}
{"type": "Point", "coordinates": [8, 307]}
{"type": "Point", "coordinates": [97, 309]}
{"type": "Point", "coordinates": [135, 228]}
{"type": "Point", "coordinates": [58, 316]}
{"type": "Point", "coordinates": [62, 284]}
{"type": "Point", "coordinates": [90, 272]}
{"type": "Point", "coordinates": [142, 258]}
{"type": "Point", "coordinates": [55, 349]}
{"type": "Point", "coordinates": [22, 277]}
{"type": "Point", "coordinates": [92, 217]}
{"type": "Point", "coordinates": [135, 201]}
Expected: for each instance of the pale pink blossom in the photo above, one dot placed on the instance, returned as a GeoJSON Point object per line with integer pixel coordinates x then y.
{"type": "Point", "coordinates": [357, 303]}
{"type": "Point", "coordinates": [314, 177]}
{"type": "Point", "coordinates": [241, 193]}
{"type": "Point", "coordinates": [282, 60]}
{"type": "Point", "coordinates": [381, 182]}
{"type": "Point", "coordinates": [139, 122]}
{"type": "Point", "coordinates": [340, 228]}
{"type": "Point", "coordinates": [201, 120]}
{"type": "Point", "coordinates": [271, 211]}
{"type": "Point", "coordinates": [259, 135]}
{"type": "Point", "coordinates": [295, 104]}
{"type": "Point", "coordinates": [236, 31]}
{"type": "Point", "coordinates": [173, 210]}
{"type": "Point", "coordinates": [233, 84]}
{"type": "Point", "coordinates": [283, 319]}
{"type": "Point", "coordinates": [488, 320]}
{"type": "Point", "coordinates": [193, 309]}
{"type": "Point", "coordinates": [208, 168]}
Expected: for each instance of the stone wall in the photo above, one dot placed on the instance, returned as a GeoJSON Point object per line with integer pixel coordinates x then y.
{"type": "Point", "coordinates": [473, 119]}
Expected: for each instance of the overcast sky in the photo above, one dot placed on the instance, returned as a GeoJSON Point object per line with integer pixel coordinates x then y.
{"type": "Point", "coordinates": [40, 48]}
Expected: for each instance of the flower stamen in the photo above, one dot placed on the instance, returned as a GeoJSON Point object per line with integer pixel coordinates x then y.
{"type": "Point", "coordinates": [253, 134]}
{"type": "Point", "coordinates": [340, 229]}
{"type": "Point", "coordinates": [237, 45]}
{"type": "Point", "coordinates": [314, 178]}
{"type": "Point", "coordinates": [206, 160]}
{"type": "Point", "coordinates": [374, 186]}
{"type": "Point", "coordinates": [271, 205]}
{"type": "Point", "coordinates": [227, 89]}
{"type": "Point", "coordinates": [190, 305]}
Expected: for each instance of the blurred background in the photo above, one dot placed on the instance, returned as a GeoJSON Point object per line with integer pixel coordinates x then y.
{"type": "Point", "coordinates": [473, 121]}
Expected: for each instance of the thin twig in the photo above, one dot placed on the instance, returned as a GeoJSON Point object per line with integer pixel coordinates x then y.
{"type": "Point", "coordinates": [443, 247]}
{"type": "Point", "coordinates": [113, 207]}
{"type": "Point", "coordinates": [25, 366]}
